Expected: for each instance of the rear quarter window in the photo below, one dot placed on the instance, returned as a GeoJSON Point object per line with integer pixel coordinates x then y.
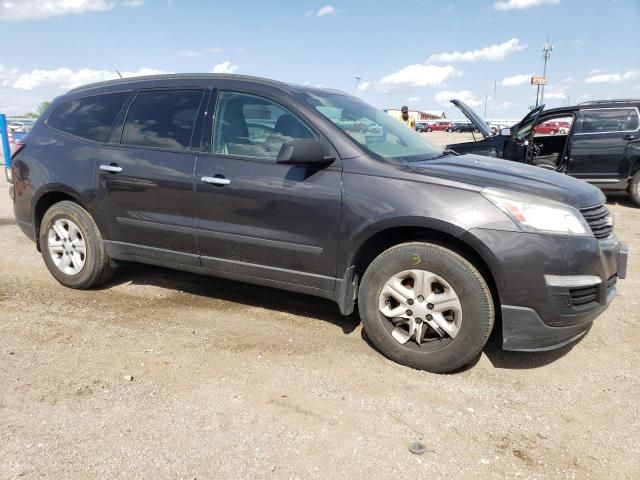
{"type": "Point", "coordinates": [608, 120]}
{"type": "Point", "coordinates": [89, 117]}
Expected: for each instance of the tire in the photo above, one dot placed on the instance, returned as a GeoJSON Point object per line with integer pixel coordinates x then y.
{"type": "Point", "coordinates": [553, 132]}
{"type": "Point", "coordinates": [65, 218]}
{"type": "Point", "coordinates": [437, 355]}
{"type": "Point", "coordinates": [634, 188]}
{"type": "Point", "coordinates": [429, 129]}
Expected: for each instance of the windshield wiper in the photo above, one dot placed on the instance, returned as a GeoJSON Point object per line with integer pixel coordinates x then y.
{"type": "Point", "coordinates": [447, 152]}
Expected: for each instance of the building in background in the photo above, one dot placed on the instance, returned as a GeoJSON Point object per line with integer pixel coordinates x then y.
{"type": "Point", "coordinates": [417, 115]}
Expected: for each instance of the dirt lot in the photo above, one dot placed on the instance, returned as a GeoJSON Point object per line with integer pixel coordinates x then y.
{"type": "Point", "coordinates": [164, 374]}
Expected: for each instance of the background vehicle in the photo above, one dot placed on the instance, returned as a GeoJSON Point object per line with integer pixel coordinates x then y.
{"type": "Point", "coordinates": [464, 127]}
{"type": "Point", "coordinates": [553, 127]}
{"type": "Point", "coordinates": [297, 187]}
{"type": "Point", "coordinates": [440, 127]}
{"type": "Point", "coordinates": [601, 145]}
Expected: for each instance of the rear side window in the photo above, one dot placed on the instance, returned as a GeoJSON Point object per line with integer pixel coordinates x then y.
{"type": "Point", "coordinates": [608, 120]}
{"type": "Point", "coordinates": [162, 118]}
{"type": "Point", "coordinates": [89, 117]}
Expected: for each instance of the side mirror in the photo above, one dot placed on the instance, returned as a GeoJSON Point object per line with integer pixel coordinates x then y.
{"type": "Point", "coordinates": [505, 132]}
{"type": "Point", "coordinates": [304, 152]}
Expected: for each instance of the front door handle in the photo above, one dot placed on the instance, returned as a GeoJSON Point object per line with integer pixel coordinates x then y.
{"type": "Point", "coordinates": [629, 137]}
{"type": "Point", "coordinates": [111, 168]}
{"type": "Point", "coordinates": [220, 180]}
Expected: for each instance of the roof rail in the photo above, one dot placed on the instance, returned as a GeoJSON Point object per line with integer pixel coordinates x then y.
{"type": "Point", "coordinates": [180, 76]}
{"type": "Point", "coordinates": [614, 100]}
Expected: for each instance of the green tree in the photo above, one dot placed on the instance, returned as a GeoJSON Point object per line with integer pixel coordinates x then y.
{"type": "Point", "coordinates": [42, 107]}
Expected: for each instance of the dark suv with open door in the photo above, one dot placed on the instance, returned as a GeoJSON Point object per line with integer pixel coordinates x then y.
{"type": "Point", "coordinates": [598, 142]}
{"type": "Point", "coordinates": [314, 191]}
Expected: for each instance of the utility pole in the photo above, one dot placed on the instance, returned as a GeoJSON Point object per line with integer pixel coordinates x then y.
{"type": "Point", "coordinates": [495, 97]}
{"type": "Point", "coordinates": [486, 98]}
{"type": "Point", "coordinates": [546, 55]}
{"type": "Point", "coordinates": [358, 80]}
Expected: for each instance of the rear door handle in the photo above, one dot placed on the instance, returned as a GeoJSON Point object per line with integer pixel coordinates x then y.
{"type": "Point", "coordinates": [216, 180]}
{"type": "Point", "coordinates": [111, 168]}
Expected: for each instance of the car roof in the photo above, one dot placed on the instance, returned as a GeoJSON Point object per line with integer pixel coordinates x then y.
{"type": "Point", "coordinates": [622, 102]}
{"type": "Point", "coordinates": [178, 79]}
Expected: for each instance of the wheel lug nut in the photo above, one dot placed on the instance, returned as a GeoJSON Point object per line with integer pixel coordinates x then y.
{"type": "Point", "coordinates": [421, 298]}
{"type": "Point", "coordinates": [409, 313]}
{"type": "Point", "coordinates": [410, 301]}
{"type": "Point", "coordinates": [429, 317]}
{"type": "Point", "coordinates": [430, 306]}
{"type": "Point", "coordinates": [418, 321]}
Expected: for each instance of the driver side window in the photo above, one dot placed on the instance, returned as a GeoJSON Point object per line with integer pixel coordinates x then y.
{"type": "Point", "coordinates": [254, 127]}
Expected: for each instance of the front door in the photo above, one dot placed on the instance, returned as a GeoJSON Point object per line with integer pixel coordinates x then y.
{"type": "Point", "coordinates": [256, 217]}
{"type": "Point", "coordinates": [146, 181]}
{"type": "Point", "coordinates": [597, 147]}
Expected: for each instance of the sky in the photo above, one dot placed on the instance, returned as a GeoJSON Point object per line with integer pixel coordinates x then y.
{"type": "Point", "coordinates": [419, 53]}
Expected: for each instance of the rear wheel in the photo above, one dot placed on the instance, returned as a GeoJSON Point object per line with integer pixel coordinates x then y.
{"type": "Point", "coordinates": [72, 247]}
{"type": "Point", "coordinates": [553, 132]}
{"type": "Point", "coordinates": [426, 307]}
{"type": "Point", "coordinates": [634, 188]}
{"type": "Point", "coordinates": [429, 129]}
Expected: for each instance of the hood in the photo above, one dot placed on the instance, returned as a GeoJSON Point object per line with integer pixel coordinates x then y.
{"type": "Point", "coordinates": [509, 175]}
{"type": "Point", "coordinates": [473, 117]}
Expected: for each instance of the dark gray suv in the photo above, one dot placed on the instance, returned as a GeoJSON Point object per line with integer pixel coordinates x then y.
{"type": "Point", "coordinates": [312, 190]}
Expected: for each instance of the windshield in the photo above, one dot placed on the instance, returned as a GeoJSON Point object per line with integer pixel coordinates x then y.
{"type": "Point", "coordinates": [372, 129]}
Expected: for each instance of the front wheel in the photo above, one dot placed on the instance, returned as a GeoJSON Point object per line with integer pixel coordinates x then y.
{"type": "Point", "coordinates": [429, 129]}
{"type": "Point", "coordinates": [634, 188]}
{"type": "Point", "coordinates": [72, 247]}
{"type": "Point", "coordinates": [426, 307]}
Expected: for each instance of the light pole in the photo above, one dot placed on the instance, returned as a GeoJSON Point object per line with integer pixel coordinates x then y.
{"type": "Point", "coordinates": [358, 80]}
{"type": "Point", "coordinates": [546, 55]}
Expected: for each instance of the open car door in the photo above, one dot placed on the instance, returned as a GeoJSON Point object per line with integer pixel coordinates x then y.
{"type": "Point", "coordinates": [516, 147]}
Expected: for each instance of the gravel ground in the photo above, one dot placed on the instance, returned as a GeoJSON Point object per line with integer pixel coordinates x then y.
{"type": "Point", "coordinates": [164, 374]}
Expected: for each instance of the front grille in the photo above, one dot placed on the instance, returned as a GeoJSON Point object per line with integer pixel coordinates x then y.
{"type": "Point", "coordinates": [611, 283]}
{"type": "Point", "coordinates": [599, 219]}
{"type": "Point", "coordinates": [583, 295]}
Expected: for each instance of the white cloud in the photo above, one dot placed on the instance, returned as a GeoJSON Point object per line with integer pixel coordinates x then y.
{"type": "Point", "coordinates": [225, 67]}
{"type": "Point", "coordinates": [322, 12]}
{"type": "Point", "coordinates": [612, 77]}
{"type": "Point", "coordinates": [516, 80]}
{"type": "Point", "coordinates": [215, 50]}
{"type": "Point", "coordinates": [569, 80]}
{"type": "Point", "coordinates": [466, 96]}
{"type": "Point", "coordinates": [133, 3]}
{"type": "Point", "coordinates": [522, 4]}
{"type": "Point", "coordinates": [493, 53]}
{"type": "Point", "coordinates": [65, 78]}
{"type": "Point", "coordinates": [414, 99]}
{"type": "Point", "coordinates": [17, 10]}
{"type": "Point", "coordinates": [553, 95]}
{"type": "Point", "coordinates": [419, 75]}
{"type": "Point", "coordinates": [364, 85]}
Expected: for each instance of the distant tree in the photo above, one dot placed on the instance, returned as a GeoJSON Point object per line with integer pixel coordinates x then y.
{"type": "Point", "coordinates": [42, 107]}
{"type": "Point", "coordinates": [30, 115]}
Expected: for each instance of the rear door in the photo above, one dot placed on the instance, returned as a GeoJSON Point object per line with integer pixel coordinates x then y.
{"type": "Point", "coordinates": [146, 181]}
{"type": "Point", "coordinates": [599, 142]}
{"type": "Point", "coordinates": [256, 217]}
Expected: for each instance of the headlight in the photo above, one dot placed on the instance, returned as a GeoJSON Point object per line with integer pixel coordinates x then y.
{"type": "Point", "coordinates": [535, 214]}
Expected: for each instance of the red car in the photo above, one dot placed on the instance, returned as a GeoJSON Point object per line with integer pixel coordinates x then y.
{"type": "Point", "coordinates": [440, 127]}
{"type": "Point", "coordinates": [553, 128]}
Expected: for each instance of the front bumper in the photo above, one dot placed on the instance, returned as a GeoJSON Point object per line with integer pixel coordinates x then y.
{"type": "Point", "coordinates": [551, 288]}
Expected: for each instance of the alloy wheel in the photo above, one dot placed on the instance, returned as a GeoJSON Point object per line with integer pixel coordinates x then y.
{"type": "Point", "coordinates": [67, 246]}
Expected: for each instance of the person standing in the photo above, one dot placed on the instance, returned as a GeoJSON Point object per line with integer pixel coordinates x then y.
{"type": "Point", "coordinates": [406, 119]}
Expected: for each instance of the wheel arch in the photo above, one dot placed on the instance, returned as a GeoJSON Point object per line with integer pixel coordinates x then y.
{"type": "Point", "coordinates": [46, 199]}
{"type": "Point", "coordinates": [379, 241]}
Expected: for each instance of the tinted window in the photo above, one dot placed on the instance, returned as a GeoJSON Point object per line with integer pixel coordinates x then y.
{"type": "Point", "coordinates": [608, 120]}
{"type": "Point", "coordinates": [254, 127]}
{"type": "Point", "coordinates": [89, 117]}
{"type": "Point", "coordinates": [162, 118]}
